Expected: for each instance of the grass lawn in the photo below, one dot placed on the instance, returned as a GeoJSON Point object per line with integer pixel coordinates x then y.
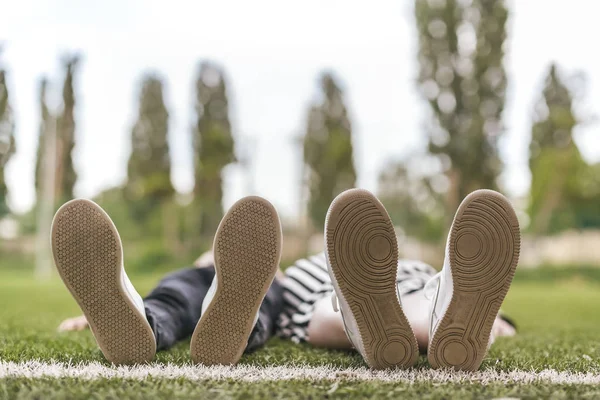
{"type": "Point", "coordinates": [558, 314]}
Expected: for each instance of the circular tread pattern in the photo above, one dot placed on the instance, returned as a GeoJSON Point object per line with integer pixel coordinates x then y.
{"type": "Point", "coordinates": [363, 256]}
{"type": "Point", "coordinates": [484, 245]}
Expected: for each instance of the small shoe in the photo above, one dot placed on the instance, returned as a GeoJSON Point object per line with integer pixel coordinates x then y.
{"type": "Point", "coordinates": [89, 257]}
{"type": "Point", "coordinates": [247, 250]}
{"type": "Point", "coordinates": [362, 259]}
{"type": "Point", "coordinates": [482, 253]}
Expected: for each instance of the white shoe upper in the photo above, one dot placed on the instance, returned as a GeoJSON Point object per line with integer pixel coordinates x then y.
{"type": "Point", "coordinates": [350, 326]}
{"type": "Point", "coordinates": [340, 304]}
{"type": "Point", "coordinates": [210, 295]}
{"type": "Point", "coordinates": [132, 293]}
{"type": "Point", "coordinates": [439, 290]}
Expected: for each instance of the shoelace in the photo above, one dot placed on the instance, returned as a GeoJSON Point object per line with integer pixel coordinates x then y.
{"type": "Point", "coordinates": [430, 289]}
{"type": "Point", "coordinates": [334, 302]}
{"type": "Point", "coordinates": [336, 307]}
{"type": "Point", "coordinates": [432, 285]}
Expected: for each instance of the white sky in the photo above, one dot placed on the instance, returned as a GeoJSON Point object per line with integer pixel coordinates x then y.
{"type": "Point", "coordinates": [272, 51]}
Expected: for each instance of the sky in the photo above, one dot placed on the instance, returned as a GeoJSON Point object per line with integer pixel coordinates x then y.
{"type": "Point", "coordinates": [272, 52]}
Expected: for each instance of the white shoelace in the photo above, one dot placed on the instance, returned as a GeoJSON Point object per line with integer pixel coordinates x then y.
{"type": "Point", "coordinates": [334, 302]}
{"type": "Point", "coordinates": [432, 285]}
{"type": "Point", "coordinates": [429, 291]}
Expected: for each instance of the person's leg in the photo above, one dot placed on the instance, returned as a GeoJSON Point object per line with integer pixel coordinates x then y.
{"type": "Point", "coordinates": [412, 278]}
{"type": "Point", "coordinates": [173, 307]}
{"type": "Point", "coordinates": [269, 310]}
{"type": "Point", "coordinates": [87, 251]}
{"type": "Point", "coordinates": [326, 328]}
{"type": "Point", "coordinates": [307, 314]}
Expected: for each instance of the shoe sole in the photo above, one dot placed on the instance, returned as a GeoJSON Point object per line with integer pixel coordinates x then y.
{"type": "Point", "coordinates": [363, 256]}
{"type": "Point", "coordinates": [483, 247]}
{"type": "Point", "coordinates": [88, 255]}
{"type": "Point", "coordinates": [247, 251]}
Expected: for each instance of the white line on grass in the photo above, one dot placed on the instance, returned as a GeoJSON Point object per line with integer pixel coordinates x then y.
{"type": "Point", "coordinates": [247, 373]}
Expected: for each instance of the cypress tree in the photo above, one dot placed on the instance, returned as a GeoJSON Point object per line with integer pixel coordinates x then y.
{"type": "Point", "coordinates": [7, 142]}
{"type": "Point", "coordinates": [462, 77]}
{"type": "Point", "coordinates": [565, 190]}
{"type": "Point", "coordinates": [65, 134]}
{"type": "Point", "coordinates": [213, 145]}
{"type": "Point", "coordinates": [149, 167]}
{"type": "Point", "coordinates": [42, 134]}
{"type": "Point", "coordinates": [328, 151]}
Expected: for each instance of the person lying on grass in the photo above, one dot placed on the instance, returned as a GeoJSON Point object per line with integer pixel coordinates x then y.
{"type": "Point", "coordinates": [390, 308]}
{"type": "Point", "coordinates": [227, 307]}
{"type": "Point", "coordinates": [387, 307]}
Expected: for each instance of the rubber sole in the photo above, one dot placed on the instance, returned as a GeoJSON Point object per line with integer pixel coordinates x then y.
{"type": "Point", "coordinates": [88, 255]}
{"type": "Point", "coordinates": [484, 245]}
{"type": "Point", "coordinates": [363, 256]}
{"type": "Point", "coordinates": [247, 251]}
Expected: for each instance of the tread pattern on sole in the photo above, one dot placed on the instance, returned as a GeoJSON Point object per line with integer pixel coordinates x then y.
{"type": "Point", "coordinates": [247, 253]}
{"type": "Point", "coordinates": [483, 247]}
{"type": "Point", "coordinates": [363, 255]}
{"type": "Point", "coordinates": [87, 253]}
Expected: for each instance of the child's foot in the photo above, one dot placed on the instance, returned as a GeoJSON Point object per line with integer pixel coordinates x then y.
{"type": "Point", "coordinates": [362, 256]}
{"type": "Point", "coordinates": [247, 250]}
{"type": "Point", "coordinates": [88, 255]}
{"type": "Point", "coordinates": [481, 258]}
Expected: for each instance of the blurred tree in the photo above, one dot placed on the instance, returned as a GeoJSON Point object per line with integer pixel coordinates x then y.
{"type": "Point", "coordinates": [65, 134]}
{"type": "Point", "coordinates": [149, 168]}
{"type": "Point", "coordinates": [213, 146]}
{"type": "Point", "coordinates": [45, 120]}
{"type": "Point", "coordinates": [412, 192]}
{"type": "Point", "coordinates": [7, 141]}
{"type": "Point", "coordinates": [565, 190]}
{"type": "Point", "coordinates": [461, 50]}
{"type": "Point", "coordinates": [328, 150]}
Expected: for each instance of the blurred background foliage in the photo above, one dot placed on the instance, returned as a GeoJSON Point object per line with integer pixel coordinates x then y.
{"type": "Point", "coordinates": [462, 80]}
{"type": "Point", "coordinates": [565, 190]}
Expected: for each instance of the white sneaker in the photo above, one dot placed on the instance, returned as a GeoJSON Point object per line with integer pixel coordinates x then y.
{"type": "Point", "coordinates": [247, 252]}
{"type": "Point", "coordinates": [482, 253]}
{"type": "Point", "coordinates": [362, 260]}
{"type": "Point", "coordinates": [89, 257]}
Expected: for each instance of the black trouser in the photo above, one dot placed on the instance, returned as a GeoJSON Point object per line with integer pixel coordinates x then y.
{"type": "Point", "coordinates": [174, 306]}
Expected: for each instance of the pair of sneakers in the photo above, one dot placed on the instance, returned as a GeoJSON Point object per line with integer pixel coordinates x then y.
{"type": "Point", "coordinates": [88, 254]}
{"type": "Point", "coordinates": [481, 256]}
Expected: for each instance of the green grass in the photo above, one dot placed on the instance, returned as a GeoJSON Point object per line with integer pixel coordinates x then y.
{"type": "Point", "coordinates": [146, 389]}
{"type": "Point", "coordinates": [558, 314]}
